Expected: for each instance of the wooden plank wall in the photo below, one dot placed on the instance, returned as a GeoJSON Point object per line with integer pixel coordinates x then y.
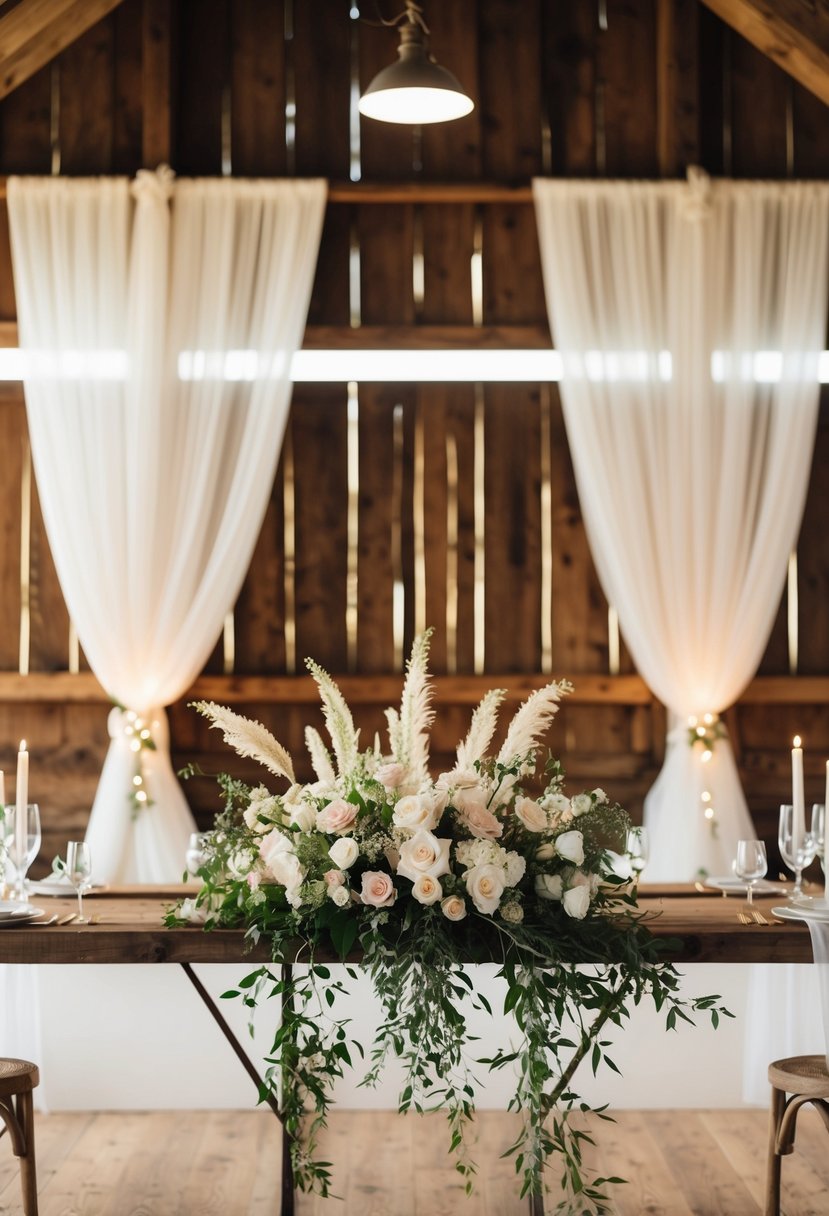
{"type": "Point", "coordinates": [460, 499]}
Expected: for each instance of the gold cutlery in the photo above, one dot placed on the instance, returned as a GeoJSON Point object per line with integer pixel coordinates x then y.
{"type": "Point", "coordinates": [744, 919]}
{"type": "Point", "coordinates": [758, 916]}
{"type": "Point", "coordinates": [67, 920]}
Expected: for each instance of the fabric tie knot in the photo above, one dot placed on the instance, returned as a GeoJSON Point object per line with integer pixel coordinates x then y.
{"type": "Point", "coordinates": [153, 186]}
{"type": "Point", "coordinates": [695, 199]}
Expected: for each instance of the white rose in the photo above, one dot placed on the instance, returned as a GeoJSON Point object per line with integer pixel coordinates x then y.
{"type": "Point", "coordinates": [340, 895]}
{"type": "Point", "coordinates": [576, 901]}
{"type": "Point", "coordinates": [453, 907]}
{"type": "Point", "coordinates": [190, 912]}
{"type": "Point", "coordinates": [303, 816]}
{"type": "Point", "coordinates": [570, 846]}
{"type": "Point", "coordinates": [344, 852]}
{"type": "Point", "coordinates": [557, 803]}
{"type": "Point", "coordinates": [287, 871]}
{"type": "Point", "coordinates": [423, 853]}
{"type": "Point", "coordinates": [548, 886]}
{"type": "Point", "coordinates": [263, 806]}
{"type": "Point", "coordinates": [515, 867]}
{"type": "Point", "coordinates": [546, 851]}
{"type": "Point", "coordinates": [427, 890]}
{"type": "Point", "coordinates": [581, 804]}
{"type": "Point", "coordinates": [485, 885]}
{"type": "Point", "coordinates": [599, 796]}
{"type": "Point", "coordinates": [416, 811]}
{"type": "Point", "coordinates": [240, 862]}
{"type": "Point", "coordinates": [532, 815]}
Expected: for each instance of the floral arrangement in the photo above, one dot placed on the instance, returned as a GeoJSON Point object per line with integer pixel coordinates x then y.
{"type": "Point", "coordinates": [424, 876]}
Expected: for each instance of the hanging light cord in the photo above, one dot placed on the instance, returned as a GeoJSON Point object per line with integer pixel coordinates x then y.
{"type": "Point", "coordinates": [413, 14]}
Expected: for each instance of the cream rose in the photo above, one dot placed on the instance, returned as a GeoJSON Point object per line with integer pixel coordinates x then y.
{"type": "Point", "coordinates": [340, 895]}
{"type": "Point", "coordinates": [453, 907]}
{"type": "Point", "coordinates": [546, 851]}
{"type": "Point", "coordinates": [303, 816]}
{"type": "Point", "coordinates": [378, 889]}
{"type": "Point", "coordinates": [344, 852]}
{"type": "Point", "coordinates": [427, 890]}
{"type": "Point", "coordinates": [515, 867]}
{"type": "Point", "coordinates": [476, 816]}
{"type": "Point", "coordinates": [581, 804]}
{"type": "Point", "coordinates": [334, 878]}
{"type": "Point", "coordinates": [416, 811]}
{"type": "Point", "coordinates": [423, 853]}
{"type": "Point", "coordinates": [390, 775]}
{"type": "Point", "coordinates": [512, 913]}
{"type": "Point", "coordinates": [570, 846]}
{"type": "Point", "coordinates": [576, 901]}
{"type": "Point", "coordinates": [485, 885]}
{"type": "Point", "coordinates": [337, 817]}
{"type": "Point", "coordinates": [532, 814]}
{"type": "Point", "coordinates": [548, 886]}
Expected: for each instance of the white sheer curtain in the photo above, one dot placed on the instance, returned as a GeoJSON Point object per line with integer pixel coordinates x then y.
{"type": "Point", "coordinates": [160, 319]}
{"type": "Point", "coordinates": [689, 318]}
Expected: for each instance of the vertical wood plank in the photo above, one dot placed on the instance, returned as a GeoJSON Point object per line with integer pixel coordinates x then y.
{"type": "Point", "coordinates": [453, 149]}
{"type": "Point", "coordinates": [813, 559]}
{"type": "Point", "coordinates": [12, 431]}
{"type": "Point", "coordinates": [386, 251]}
{"type": "Point", "coordinates": [387, 149]}
{"type": "Point", "coordinates": [49, 619]}
{"type": "Point", "coordinates": [510, 88]}
{"type": "Point", "coordinates": [25, 144]}
{"type": "Point", "coordinates": [513, 287]}
{"type": "Point", "coordinates": [375, 571]}
{"type": "Point", "coordinates": [460, 424]}
{"type": "Point", "coordinates": [570, 37]}
{"type": "Point", "coordinates": [87, 101]}
{"type": "Point", "coordinates": [322, 73]}
{"type": "Point", "coordinates": [759, 94]}
{"type": "Point", "coordinates": [260, 608]}
{"type": "Point", "coordinates": [319, 425]}
{"type": "Point", "coordinates": [677, 85]}
{"type": "Point", "coordinates": [203, 76]}
{"type": "Point", "coordinates": [513, 514]}
{"type": "Point", "coordinates": [128, 67]}
{"type": "Point", "coordinates": [156, 79]}
{"type": "Point", "coordinates": [433, 400]}
{"type": "Point", "coordinates": [811, 134]}
{"type": "Point", "coordinates": [579, 627]}
{"type": "Point", "coordinates": [258, 88]}
{"type": "Point", "coordinates": [714, 43]}
{"type": "Point", "coordinates": [330, 295]}
{"type": "Point", "coordinates": [627, 66]}
{"type": "Point", "coordinates": [448, 237]}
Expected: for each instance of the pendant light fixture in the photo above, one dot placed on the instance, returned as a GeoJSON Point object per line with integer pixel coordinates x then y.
{"type": "Point", "coordinates": [415, 89]}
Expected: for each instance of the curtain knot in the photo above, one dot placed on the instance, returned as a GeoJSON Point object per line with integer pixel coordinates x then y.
{"type": "Point", "coordinates": [153, 185]}
{"type": "Point", "coordinates": [695, 200]}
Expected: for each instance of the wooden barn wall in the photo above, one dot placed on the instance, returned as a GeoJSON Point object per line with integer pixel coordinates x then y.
{"type": "Point", "coordinates": [398, 505]}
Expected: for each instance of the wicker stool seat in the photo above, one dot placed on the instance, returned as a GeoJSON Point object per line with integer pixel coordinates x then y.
{"type": "Point", "coordinates": [805, 1079]}
{"type": "Point", "coordinates": [17, 1080]}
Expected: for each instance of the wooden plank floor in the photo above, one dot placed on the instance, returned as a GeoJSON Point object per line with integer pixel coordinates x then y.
{"type": "Point", "coordinates": [196, 1163]}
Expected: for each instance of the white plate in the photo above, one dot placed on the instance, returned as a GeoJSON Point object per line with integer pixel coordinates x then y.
{"type": "Point", "coordinates": [12, 907]}
{"type": "Point", "coordinates": [23, 918]}
{"type": "Point", "coordinates": [791, 912]}
{"type": "Point", "coordinates": [59, 886]}
{"type": "Point", "coordinates": [736, 885]}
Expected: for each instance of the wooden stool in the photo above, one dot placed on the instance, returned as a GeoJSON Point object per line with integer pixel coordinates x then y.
{"type": "Point", "coordinates": [807, 1080]}
{"type": "Point", "coordinates": [17, 1080]}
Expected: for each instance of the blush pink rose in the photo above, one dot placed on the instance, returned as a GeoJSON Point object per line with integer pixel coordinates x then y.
{"type": "Point", "coordinates": [334, 878]}
{"type": "Point", "coordinates": [480, 821]}
{"type": "Point", "coordinates": [390, 775]}
{"type": "Point", "coordinates": [337, 817]}
{"type": "Point", "coordinates": [378, 889]}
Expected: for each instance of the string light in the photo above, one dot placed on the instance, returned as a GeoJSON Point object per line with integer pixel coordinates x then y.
{"type": "Point", "coordinates": [140, 738]}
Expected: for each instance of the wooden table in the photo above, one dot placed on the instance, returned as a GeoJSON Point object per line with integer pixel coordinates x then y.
{"type": "Point", "coordinates": [128, 928]}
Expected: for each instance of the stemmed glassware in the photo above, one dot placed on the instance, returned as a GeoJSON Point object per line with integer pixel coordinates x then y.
{"type": "Point", "coordinates": [751, 863]}
{"type": "Point", "coordinates": [20, 862]}
{"type": "Point", "coordinates": [78, 870]}
{"type": "Point", "coordinates": [196, 855]}
{"type": "Point", "coordinates": [796, 859]}
{"type": "Point", "coordinates": [637, 849]}
{"type": "Point", "coordinates": [819, 831]}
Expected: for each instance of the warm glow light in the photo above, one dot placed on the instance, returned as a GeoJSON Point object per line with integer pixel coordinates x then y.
{"type": "Point", "coordinates": [797, 742]}
{"type": "Point", "coordinates": [417, 105]}
{"type": "Point", "coordinates": [397, 366]}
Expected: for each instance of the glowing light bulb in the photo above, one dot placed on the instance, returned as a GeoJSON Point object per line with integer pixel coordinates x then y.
{"type": "Point", "coordinates": [706, 755]}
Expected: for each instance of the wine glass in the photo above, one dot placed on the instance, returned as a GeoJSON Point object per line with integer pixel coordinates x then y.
{"type": "Point", "coordinates": [795, 859]}
{"type": "Point", "coordinates": [819, 831]}
{"type": "Point", "coordinates": [79, 872]}
{"type": "Point", "coordinates": [637, 849]}
{"type": "Point", "coordinates": [196, 854]}
{"type": "Point", "coordinates": [751, 863]}
{"type": "Point", "coordinates": [18, 859]}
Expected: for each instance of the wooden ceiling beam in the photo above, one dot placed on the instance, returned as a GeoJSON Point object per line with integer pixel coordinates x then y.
{"type": "Point", "coordinates": [36, 31]}
{"type": "Point", "coordinates": [793, 34]}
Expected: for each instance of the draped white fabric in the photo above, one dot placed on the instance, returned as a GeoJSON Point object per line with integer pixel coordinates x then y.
{"type": "Point", "coordinates": [160, 320]}
{"type": "Point", "coordinates": [691, 450]}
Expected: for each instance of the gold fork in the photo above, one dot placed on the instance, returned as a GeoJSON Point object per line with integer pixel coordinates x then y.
{"type": "Point", "coordinates": [758, 916]}
{"type": "Point", "coordinates": [744, 919]}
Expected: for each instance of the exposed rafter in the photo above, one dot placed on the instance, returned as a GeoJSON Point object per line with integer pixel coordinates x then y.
{"type": "Point", "coordinates": [794, 33]}
{"type": "Point", "coordinates": [36, 31]}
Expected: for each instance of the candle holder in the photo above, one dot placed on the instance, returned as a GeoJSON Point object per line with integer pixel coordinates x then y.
{"type": "Point", "coordinates": [18, 859]}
